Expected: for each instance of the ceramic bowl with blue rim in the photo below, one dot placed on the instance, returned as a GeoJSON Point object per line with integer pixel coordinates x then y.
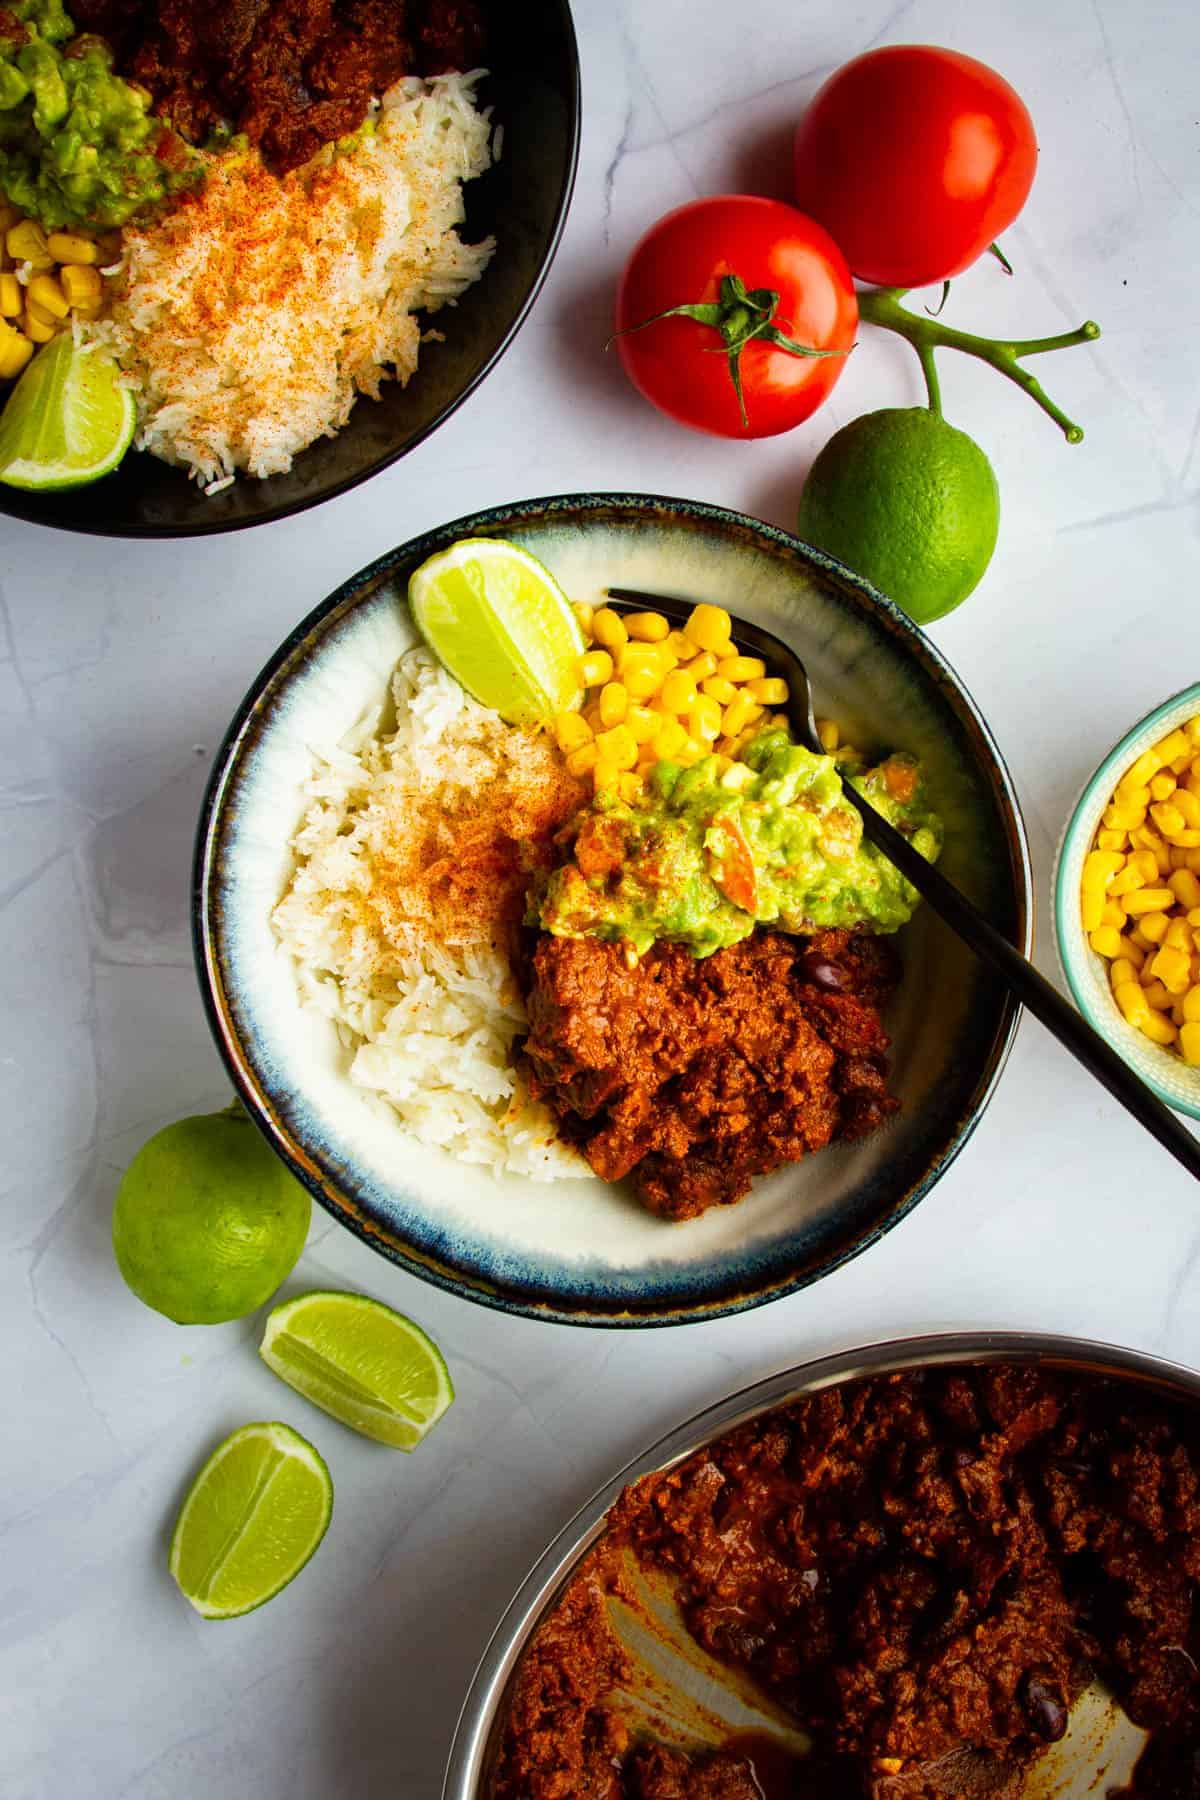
{"type": "Point", "coordinates": [1087, 973]}
{"type": "Point", "coordinates": [582, 1251]}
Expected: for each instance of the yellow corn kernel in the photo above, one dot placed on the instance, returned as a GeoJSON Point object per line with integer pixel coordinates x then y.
{"type": "Point", "coordinates": [1149, 900]}
{"type": "Point", "coordinates": [15, 352]}
{"type": "Point", "coordinates": [1130, 879]}
{"type": "Point", "coordinates": [617, 746]}
{"type": "Point", "coordinates": [1189, 1042]}
{"type": "Point", "coordinates": [571, 730]}
{"type": "Point", "coordinates": [1132, 1002]}
{"type": "Point", "coordinates": [1178, 935]}
{"type": "Point", "coordinates": [737, 715]}
{"type": "Point", "coordinates": [580, 761]}
{"type": "Point", "coordinates": [10, 297]}
{"type": "Point", "coordinates": [709, 627]}
{"type": "Point", "coordinates": [595, 668]}
{"type": "Point", "coordinates": [1168, 818]}
{"type": "Point", "coordinates": [1105, 940]}
{"type": "Point", "coordinates": [1174, 744]}
{"type": "Point", "coordinates": [1192, 730]}
{"type": "Point", "coordinates": [718, 689]}
{"type": "Point", "coordinates": [680, 645]}
{"type": "Point", "coordinates": [644, 724]}
{"type": "Point", "coordinates": [1188, 805]}
{"type": "Point", "coordinates": [641, 683]}
{"type": "Point", "coordinates": [1123, 818]}
{"type": "Point", "coordinates": [1158, 1029]}
{"type": "Point", "coordinates": [46, 292]}
{"type": "Point", "coordinates": [614, 703]}
{"type": "Point", "coordinates": [704, 720]}
{"type": "Point", "coordinates": [1157, 996]}
{"type": "Point", "coordinates": [1188, 839]}
{"type": "Point", "coordinates": [647, 627]}
{"type": "Point", "coordinates": [831, 737]}
{"type": "Point", "coordinates": [702, 667]}
{"type": "Point", "coordinates": [584, 612]}
{"type": "Point", "coordinates": [1154, 928]}
{"type": "Point", "coordinates": [608, 628]}
{"type": "Point", "coordinates": [1121, 970]}
{"type": "Point", "coordinates": [1145, 862]}
{"type": "Point", "coordinates": [1102, 863]}
{"type": "Point", "coordinates": [1144, 837]}
{"type": "Point", "coordinates": [1132, 793]}
{"type": "Point", "coordinates": [1113, 914]}
{"type": "Point", "coordinates": [742, 668]}
{"type": "Point", "coordinates": [605, 777]}
{"type": "Point", "coordinates": [629, 786]}
{"type": "Point", "coordinates": [1186, 889]}
{"type": "Point", "coordinates": [678, 691]}
{"type": "Point", "coordinates": [1132, 951]}
{"type": "Point", "coordinates": [26, 242]}
{"type": "Point", "coordinates": [1105, 840]}
{"type": "Point", "coordinates": [671, 738]}
{"type": "Point", "coordinates": [1144, 769]}
{"type": "Point", "coordinates": [41, 313]}
{"type": "Point", "coordinates": [35, 328]}
{"type": "Point", "coordinates": [1162, 786]}
{"type": "Point", "coordinates": [1191, 1005]}
{"type": "Point", "coordinates": [72, 247]}
{"type": "Point", "coordinates": [768, 690]}
{"type": "Point", "coordinates": [1091, 902]}
{"type": "Point", "coordinates": [1173, 968]}
{"type": "Point", "coordinates": [90, 310]}
{"type": "Point", "coordinates": [1178, 858]}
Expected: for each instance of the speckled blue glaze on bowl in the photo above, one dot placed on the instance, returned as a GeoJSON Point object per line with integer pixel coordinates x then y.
{"type": "Point", "coordinates": [581, 1251]}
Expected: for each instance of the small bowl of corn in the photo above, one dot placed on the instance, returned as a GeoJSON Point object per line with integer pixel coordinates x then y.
{"type": "Point", "coordinates": [1127, 900]}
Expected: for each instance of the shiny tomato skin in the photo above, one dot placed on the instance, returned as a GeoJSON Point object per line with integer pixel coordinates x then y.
{"type": "Point", "coordinates": [680, 365]}
{"type": "Point", "coordinates": [916, 159]}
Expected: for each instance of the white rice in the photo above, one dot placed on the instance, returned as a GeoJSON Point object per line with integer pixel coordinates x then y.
{"type": "Point", "coordinates": [428, 1016]}
{"type": "Point", "coordinates": [249, 316]}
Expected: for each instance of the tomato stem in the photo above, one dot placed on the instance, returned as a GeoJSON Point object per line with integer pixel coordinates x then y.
{"type": "Point", "coordinates": [739, 315]}
{"type": "Point", "coordinates": [1000, 257]}
{"type": "Point", "coordinates": [881, 306]}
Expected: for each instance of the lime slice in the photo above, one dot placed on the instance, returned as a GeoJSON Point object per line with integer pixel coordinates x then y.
{"type": "Point", "coordinates": [502, 626]}
{"type": "Point", "coordinates": [366, 1365]}
{"type": "Point", "coordinates": [68, 420]}
{"type": "Point", "coordinates": [253, 1516]}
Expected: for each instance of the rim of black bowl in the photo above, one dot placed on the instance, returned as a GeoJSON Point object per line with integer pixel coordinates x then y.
{"type": "Point", "coordinates": [43, 508]}
{"type": "Point", "coordinates": [343, 1206]}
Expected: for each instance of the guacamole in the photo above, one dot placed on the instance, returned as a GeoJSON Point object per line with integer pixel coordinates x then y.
{"type": "Point", "coordinates": [78, 145]}
{"type": "Point", "coordinates": [710, 852]}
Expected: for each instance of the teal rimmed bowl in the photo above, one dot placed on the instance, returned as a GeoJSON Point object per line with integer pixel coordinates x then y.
{"type": "Point", "coordinates": [579, 1251]}
{"type": "Point", "coordinates": [1086, 973]}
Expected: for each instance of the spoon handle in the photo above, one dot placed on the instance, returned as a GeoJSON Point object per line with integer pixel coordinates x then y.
{"type": "Point", "coordinates": [1031, 989]}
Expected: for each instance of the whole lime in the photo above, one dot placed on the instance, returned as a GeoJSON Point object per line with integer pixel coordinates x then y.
{"type": "Point", "coordinates": [909, 502]}
{"type": "Point", "coordinates": [208, 1221]}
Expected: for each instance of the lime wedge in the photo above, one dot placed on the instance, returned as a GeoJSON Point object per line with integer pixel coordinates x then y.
{"type": "Point", "coordinates": [253, 1516]}
{"type": "Point", "coordinates": [68, 420]}
{"type": "Point", "coordinates": [502, 626]}
{"type": "Point", "coordinates": [366, 1365]}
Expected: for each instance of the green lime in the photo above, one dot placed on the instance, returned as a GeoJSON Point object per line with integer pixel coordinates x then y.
{"type": "Point", "coordinates": [908, 501]}
{"type": "Point", "coordinates": [502, 626]}
{"type": "Point", "coordinates": [208, 1221]}
{"type": "Point", "coordinates": [252, 1518]}
{"type": "Point", "coordinates": [366, 1365]}
{"type": "Point", "coordinates": [68, 420]}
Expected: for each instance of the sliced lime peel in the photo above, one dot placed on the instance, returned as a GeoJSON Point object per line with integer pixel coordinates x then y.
{"type": "Point", "coordinates": [496, 618]}
{"type": "Point", "coordinates": [252, 1519]}
{"type": "Point", "coordinates": [68, 421]}
{"type": "Point", "coordinates": [367, 1366]}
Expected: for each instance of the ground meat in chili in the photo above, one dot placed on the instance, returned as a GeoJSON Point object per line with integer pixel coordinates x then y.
{"type": "Point", "coordinates": [293, 77]}
{"type": "Point", "coordinates": [924, 1569]}
{"type": "Point", "coordinates": [693, 1075]}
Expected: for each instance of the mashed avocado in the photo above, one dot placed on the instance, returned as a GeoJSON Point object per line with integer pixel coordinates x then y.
{"type": "Point", "coordinates": [77, 144]}
{"type": "Point", "coordinates": [701, 860]}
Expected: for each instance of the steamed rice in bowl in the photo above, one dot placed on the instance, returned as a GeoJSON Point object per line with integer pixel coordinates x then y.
{"type": "Point", "coordinates": [400, 911]}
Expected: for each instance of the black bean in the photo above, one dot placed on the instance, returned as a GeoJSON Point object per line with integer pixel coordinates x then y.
{"type": "Point", "coordinates": [822, 973]}
{"type": "Point", "coordinates": [1046, 1709]}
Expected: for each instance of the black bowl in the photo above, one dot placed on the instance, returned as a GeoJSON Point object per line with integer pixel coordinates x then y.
{"type": "Point", "coordinates": [533, 89]}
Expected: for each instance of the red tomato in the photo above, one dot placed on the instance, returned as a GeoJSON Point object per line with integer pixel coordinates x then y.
{"type": "Point", "coordinates": [916, 159]}
{"type": "Point", "coordinates": [798, 286]}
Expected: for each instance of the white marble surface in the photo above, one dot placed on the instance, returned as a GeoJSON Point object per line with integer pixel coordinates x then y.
{"type": "Point", "coordinates": [119, 667]}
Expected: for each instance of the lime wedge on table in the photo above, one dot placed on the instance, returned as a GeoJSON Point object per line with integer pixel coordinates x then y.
{"type": "Point", "coordinates": [369, 1366]}
{"type": "Point", "coordinates": [498, 620]}
{"type": "Point", "coordinates": [253, 1516]}
{"type": "Point", "coordinates": [68, 420]}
